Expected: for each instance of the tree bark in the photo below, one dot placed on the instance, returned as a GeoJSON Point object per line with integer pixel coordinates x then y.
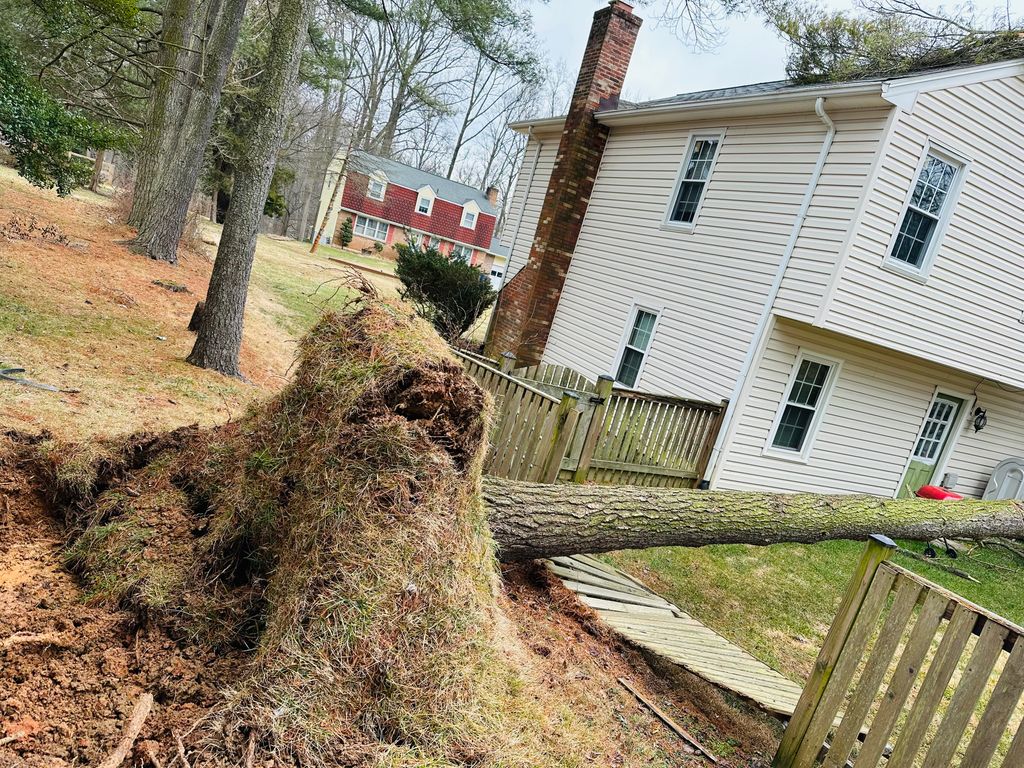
{"type": "Point", "coordinates": [219, 339]}
{"type": "Point", "coordinates": [162, 217]}
{"type": "Point", "coordinates": [531, 520]}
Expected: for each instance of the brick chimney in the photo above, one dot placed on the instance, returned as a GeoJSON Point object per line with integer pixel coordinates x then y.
{"type": "Point", "coordinates": [528, 301]}
{"type": "Point", "coordinates": [492, 196]}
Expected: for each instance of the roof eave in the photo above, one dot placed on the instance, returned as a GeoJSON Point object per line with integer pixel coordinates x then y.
{"type": "Point", "coordinates": [852, 94]}
{"type": "Point", "coordinates": [524, 126]}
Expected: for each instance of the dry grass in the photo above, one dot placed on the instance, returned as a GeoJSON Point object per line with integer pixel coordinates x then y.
{"type": "Point", "coordinates": [88, 318]}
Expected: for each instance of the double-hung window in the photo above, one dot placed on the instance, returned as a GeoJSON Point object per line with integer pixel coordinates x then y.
{"type": "Point", "coordinates": [634, 351]}
{"type": "Point", "coordinates": [925, 213]}
{"type": "Point", "coordinates": [461, 252]}
{"type": "Point", "coordinates": [469, 219]}
{"type": "Point", "coordinates": [423, 205]}
{"type": "Point", "coordinates": [802, 408]}
{"type": "Point", "coordinates": [372, 228]}
{"type": "Point", "coordinates": [376, 188]}
{"type": "Point", "coordinates": [693, 179]}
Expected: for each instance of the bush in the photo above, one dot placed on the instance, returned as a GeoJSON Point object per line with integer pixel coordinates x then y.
{"type": "Point", "coordinates": [451, 294]}
{"type": "Point", "coordinates": [345, 233]}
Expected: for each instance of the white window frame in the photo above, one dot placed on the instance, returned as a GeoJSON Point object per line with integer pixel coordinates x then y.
{"type": "Point", "coordinates": [355, 228]}
{"type": "Point", "coordinates": [666, 222]}
{"type": "Point", "coordinates": [469, 252]}
{"type": "Point", "coordinates": [803, 455]}
{"type": "Point", "coordinates": [920, 274]}
{"type": "Point", "coordinates": [636, 306]}
{"type": "Point", "coordinates": [379, 179]}
{"type": "Point", "coordinates": [469, 212]}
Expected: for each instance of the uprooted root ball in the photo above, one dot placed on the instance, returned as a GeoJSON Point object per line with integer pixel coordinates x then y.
{"type": "Point", "coordinates": [337, 531]}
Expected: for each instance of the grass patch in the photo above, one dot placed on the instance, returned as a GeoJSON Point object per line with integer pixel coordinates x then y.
{"type": "Point", "coordinates": [374, 262]}
{"type": "Point", "coordinates": [777, 602]}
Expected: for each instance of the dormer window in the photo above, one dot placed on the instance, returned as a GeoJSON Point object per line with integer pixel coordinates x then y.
{"type": "Point", "coordinates": [469, 219]}
{"type": "Point", "coordinates": [424, 201]}
{"type": "Point", "coordinates": [376, 188]}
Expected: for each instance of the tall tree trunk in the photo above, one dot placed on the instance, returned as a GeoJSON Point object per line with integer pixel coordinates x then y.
{"type": "Point", "coordinates": [220, 333]}
{"type": "Point", "coordinates": [97, 170]}
{"type": "Point", "coordinates": [161, 225]}
{"type": "Point", "coordinates": [178, 21]}
{"type": "Point", "coordinates": [530, 520]}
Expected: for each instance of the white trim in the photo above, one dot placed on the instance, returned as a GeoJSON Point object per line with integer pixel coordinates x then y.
{"type": "Point", "coordinates": [903, 92]}
{"type": "Point", "coordinates": [803, 455]}
{"type": "Point", "coordinates": [467, 208]}
{"type": "Point", "coordinates": [718, 134]}
{"type": "Point", "coordinates": [942, 462]}
{"type": "Point", "coordinates": [828, 297]}
{"type": "Point", "coordinates": [387, 227]}
{"type": "Point", "coordinates": [381, 178]}
{"type": "Point", "coordinates": [404, 227]}
{"type": "Point", "coordinates": [920, 274]}
{"type": "Point", "coordinates": [637, 305]}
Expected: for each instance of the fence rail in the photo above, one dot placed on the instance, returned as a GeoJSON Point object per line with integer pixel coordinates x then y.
{"type": "Point", "coordinates": [911, 672]}
{"type": "Point", "coordinates": [531, 429]}
{"type": "Point", "coordinates": [621, 436]}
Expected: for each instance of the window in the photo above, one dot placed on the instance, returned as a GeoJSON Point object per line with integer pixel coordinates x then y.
{"type": "Point", "coordinates": [469, 219]}
{"type": "Point", "coordinates": [933, 435]}
{"type": "Point", "coordinates": [461, 252]}
{"type": "Point", "coordinates": [635, 349]}
{"type": "Point", "coordinates": [694, 176]}
{"type": "Point", "coordinates": [801, 411]}
{"type": "Point", "coordinates": [925, 213]}
{"type": "Point", "coordinates": [376, 188]}
{"type": "Point", "coordinates": [372, 228]}
{"type": "Point", "coordinates": [423, 205]}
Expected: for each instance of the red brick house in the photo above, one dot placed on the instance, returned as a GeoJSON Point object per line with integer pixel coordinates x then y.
{"type": "Point", "coordinates": [390, 202]}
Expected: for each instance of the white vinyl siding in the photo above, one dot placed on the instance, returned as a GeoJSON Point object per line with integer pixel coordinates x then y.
{"type": "Point", "coordinates": [712, 281]}
{"type": "Point", "coordinates": [521, 224]}
{"type": "Point", "coordinates": [838, 197]}
{"type": "Point", "coordinates": [872, 423]}
{"type": "Point", "coordinates": [968, 313]}
{"type": "Point", "coordinates": [372, 228]}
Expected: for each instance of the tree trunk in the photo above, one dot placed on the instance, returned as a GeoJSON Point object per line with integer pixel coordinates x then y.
{"type": "Point", "coordinates": [180, 162]}
{"type": "Point", "coordinates": [220, 332]}
{"type": "Point", "coordinates": [97, 170]}
{"type": "Point", "coordinates": [338, 184]}
{"type": "Point", "coordinates": [531, 520]}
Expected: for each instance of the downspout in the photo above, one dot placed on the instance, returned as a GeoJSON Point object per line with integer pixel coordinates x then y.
{"type": "Point", "coordinates": [766, 312]}
{"type": "Point", "coordinates": [515, 232]}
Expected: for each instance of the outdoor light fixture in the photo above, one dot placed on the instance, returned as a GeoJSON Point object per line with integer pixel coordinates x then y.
{"type": "Point", "coordinates": [980, 419]}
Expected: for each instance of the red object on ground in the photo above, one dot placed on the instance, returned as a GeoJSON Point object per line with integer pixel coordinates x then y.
{"type": "Point", "coordinates": [935, 492]}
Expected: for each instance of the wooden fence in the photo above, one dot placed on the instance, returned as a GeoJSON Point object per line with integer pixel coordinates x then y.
{"type": "Point", "coordinates": [612, 436]}
{"type": "Point", "coordinates": [531, 429]}
{"type": "Point", "coordinates": [913, 673]}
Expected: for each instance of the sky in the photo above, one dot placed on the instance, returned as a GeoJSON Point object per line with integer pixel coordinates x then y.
{"type": "Point", "coordinates": [662, 65]}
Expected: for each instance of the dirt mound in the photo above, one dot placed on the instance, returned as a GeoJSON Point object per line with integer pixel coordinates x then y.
{"type": "Point", "coordinates": [70, 669]}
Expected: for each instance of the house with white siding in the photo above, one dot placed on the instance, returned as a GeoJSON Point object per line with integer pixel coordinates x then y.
{"type": "Point", "coordinates": [843, 263]}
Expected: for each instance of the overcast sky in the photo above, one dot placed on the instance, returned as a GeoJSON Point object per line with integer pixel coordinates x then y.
{"type": "Point", "coordinates": [662, 66]}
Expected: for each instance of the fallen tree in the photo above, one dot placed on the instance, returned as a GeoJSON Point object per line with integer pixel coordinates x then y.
{"type": "Point", "coordinates": [532, 520]}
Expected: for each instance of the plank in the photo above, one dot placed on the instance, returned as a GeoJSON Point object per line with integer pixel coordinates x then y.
{"type": "Point", "coordinates": [685, 735]}
{"type": "Point", "coordinates": [1000, 709]}
{"type": "Point", "coordinates": [908, 592]}
{"type": "Point", "coordinates": [907, 670]}
{"type": "Point", "coordinates": [961, 707]}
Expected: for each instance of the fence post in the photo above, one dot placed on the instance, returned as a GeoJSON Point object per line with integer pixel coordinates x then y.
{"type": "Point", "coordinates": [560, 437]}
{"type": "Point", "coordinates": [508, 362]}
{"type": "Point", "coordinates": [878, 550]}
{"type": "Point", "coordinates": [704, 457]}
{"type": "Point", "coordinates": [594, 429]}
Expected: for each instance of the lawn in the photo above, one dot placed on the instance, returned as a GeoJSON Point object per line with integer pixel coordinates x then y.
{"type": "Point", "coordinates": [778, 601]}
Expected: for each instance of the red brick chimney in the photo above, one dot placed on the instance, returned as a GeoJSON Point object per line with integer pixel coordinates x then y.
{"type": "Point", "coordinates": [527, 304]}
{"type": "Point", "coordinates": [492, 196]}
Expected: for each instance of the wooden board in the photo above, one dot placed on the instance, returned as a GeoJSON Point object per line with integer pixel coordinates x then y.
{"type": "Point", "coordinates": [648, 620]}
